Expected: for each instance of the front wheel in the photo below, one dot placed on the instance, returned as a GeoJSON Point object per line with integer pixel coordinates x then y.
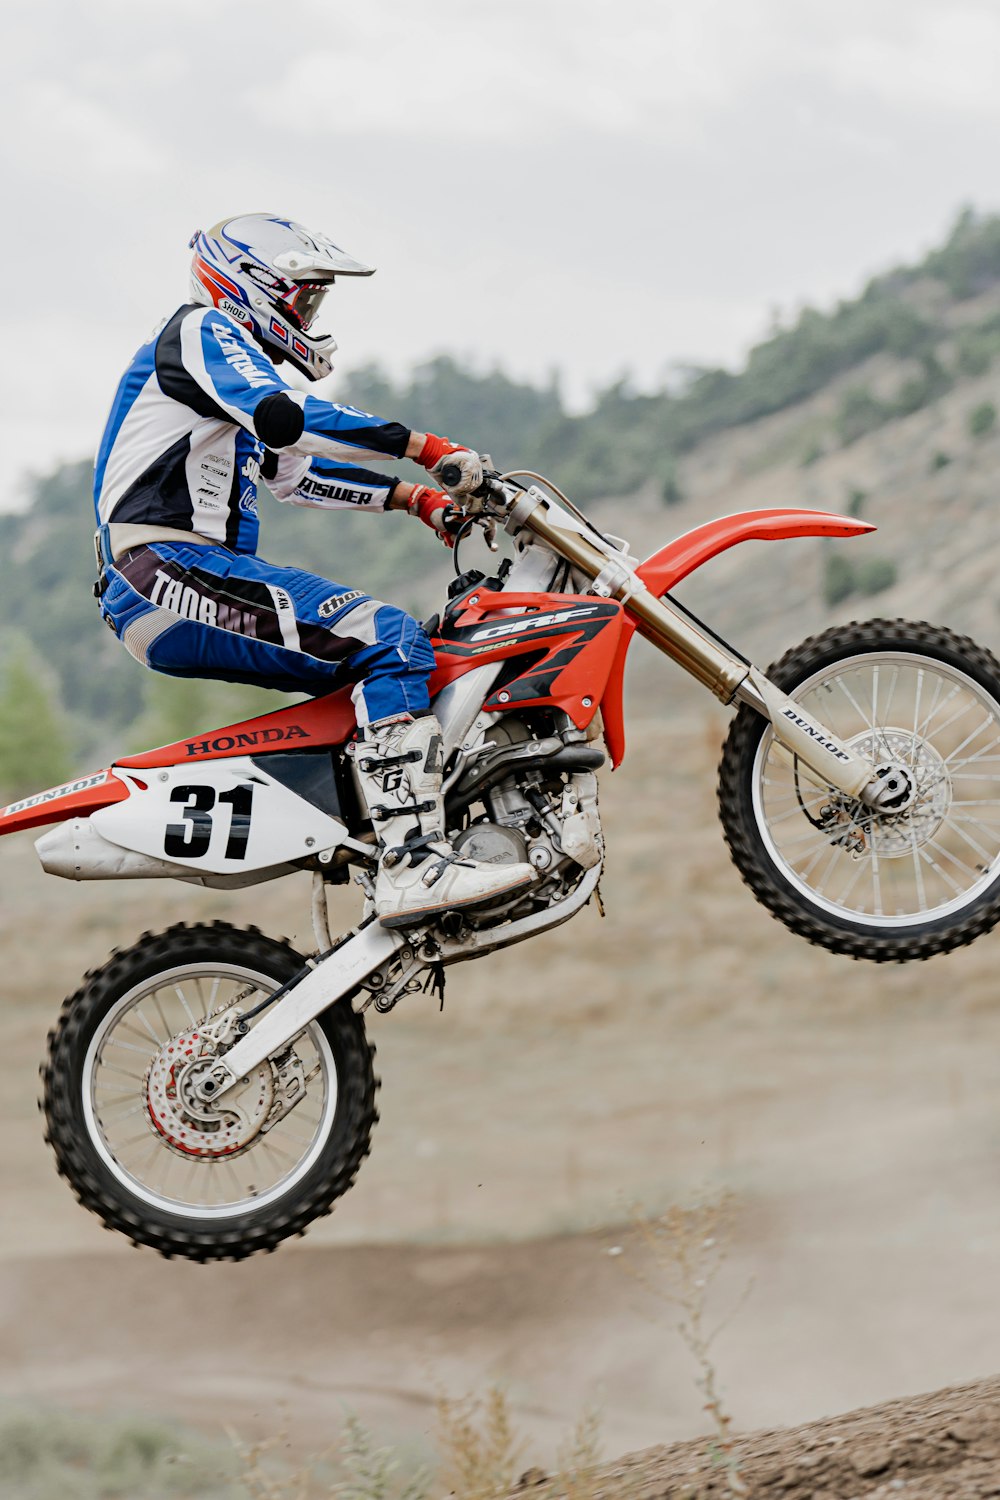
{"type": "Point", "coordinates": [141, 1150]}
{"type": "Point", "coordinates": [914, 879]}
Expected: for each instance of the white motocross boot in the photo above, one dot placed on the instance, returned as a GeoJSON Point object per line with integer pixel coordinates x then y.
{"type": "Point", "coordinates": [419, 874]}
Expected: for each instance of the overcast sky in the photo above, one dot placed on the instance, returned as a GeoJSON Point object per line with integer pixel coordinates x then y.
{"type": "Point", "coordinates": [593, 185]}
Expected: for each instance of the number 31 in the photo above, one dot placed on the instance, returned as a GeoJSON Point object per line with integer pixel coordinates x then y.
{"type": "Point", "coordinates": [191, 839]}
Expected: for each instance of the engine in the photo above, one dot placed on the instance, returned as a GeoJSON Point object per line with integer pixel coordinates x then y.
{"type": "Point", "coordinates": [531, 797]}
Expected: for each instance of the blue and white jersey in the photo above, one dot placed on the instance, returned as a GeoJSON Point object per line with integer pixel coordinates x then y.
{"type": "Point", "coordinates": [201, 413]}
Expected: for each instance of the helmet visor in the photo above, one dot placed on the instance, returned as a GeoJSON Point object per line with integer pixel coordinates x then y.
{"type": "Point", "coordinates": [303, 302]}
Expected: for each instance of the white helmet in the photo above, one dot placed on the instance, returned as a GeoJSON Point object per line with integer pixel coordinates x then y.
{"type": "Point", "coordinates": [271, 275]}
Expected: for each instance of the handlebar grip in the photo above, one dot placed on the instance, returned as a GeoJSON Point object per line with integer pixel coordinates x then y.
{"type": "Point", "coordinates": [450, 474]}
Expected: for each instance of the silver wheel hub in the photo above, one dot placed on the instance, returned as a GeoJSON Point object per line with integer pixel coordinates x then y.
{"type": "Point", "coordinates": [187, 1124]}
{"type": "Point", "coordinates": [916, 795]}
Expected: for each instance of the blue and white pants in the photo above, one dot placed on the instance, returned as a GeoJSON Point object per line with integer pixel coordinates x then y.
{"type": "Point", "coordinates": [199, 611]}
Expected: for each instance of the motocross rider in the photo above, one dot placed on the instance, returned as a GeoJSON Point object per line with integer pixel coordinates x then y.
{"type": "Point", "coordinates": [199, 414]}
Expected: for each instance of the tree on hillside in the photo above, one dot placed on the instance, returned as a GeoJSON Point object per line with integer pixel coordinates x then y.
{"type": "Point", "coordinates": [920, 390]}
{"type": "Point", "coordinates": [34, 744]}
{"type": "Point", "coordinates": [860, 412]}
{"type": "Point", "coordinates": [969, 261]}
{"type": "Point", "coordinates": [982, 419]}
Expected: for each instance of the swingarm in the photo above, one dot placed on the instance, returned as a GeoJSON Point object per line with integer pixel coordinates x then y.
{"type": "Point", "coordinates": [335, 975]}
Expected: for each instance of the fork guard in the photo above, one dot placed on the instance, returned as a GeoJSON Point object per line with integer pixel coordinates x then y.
{"type": "Point", "coordinates": [664, 569]}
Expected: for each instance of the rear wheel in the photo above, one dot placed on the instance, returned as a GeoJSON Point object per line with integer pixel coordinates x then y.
{"type": "Point", "coordinates": [922, 875]}
{"type": "Point", "coordinates": [140, 1149]}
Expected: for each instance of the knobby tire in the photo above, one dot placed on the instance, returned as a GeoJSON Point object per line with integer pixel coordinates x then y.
{"type": "Point", "coordinates": [743, 836]}
{"type": "Point", "coordinates": [247, 1232]}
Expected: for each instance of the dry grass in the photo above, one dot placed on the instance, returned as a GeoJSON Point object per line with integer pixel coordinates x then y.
{"type": "Point", "coordinates": [480, 1457]}
{"type": "Point", "coordinates": [579, 1457]}
{"type": "Point", "coordinates": [482, 1454]}
{"type": "Point", "coordinates": [373, 1472]}
{"type": "Point", "coordinates": [687, 1249]}
{"type": "Point", "coordinates": [480, 1451]}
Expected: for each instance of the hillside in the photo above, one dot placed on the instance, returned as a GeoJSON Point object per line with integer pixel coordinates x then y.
{"type": "Point", "coordinates": [887, 404]}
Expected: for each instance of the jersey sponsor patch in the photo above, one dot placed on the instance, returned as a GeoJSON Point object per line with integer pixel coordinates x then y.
{"type": "Point", "coordinates": [181, 599]}
{"type": "Point", "coordinates": [323, 490]}
{"type": "Point", "coordinates": [237, 356]}
{"type": "Point", "coordinates": [337, 602]}
{"type": "Point", "coordinates": [248, 494]}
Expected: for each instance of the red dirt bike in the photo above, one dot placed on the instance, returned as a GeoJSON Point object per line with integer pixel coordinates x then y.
{"type": "Point", "coordinates": [210, 1092]}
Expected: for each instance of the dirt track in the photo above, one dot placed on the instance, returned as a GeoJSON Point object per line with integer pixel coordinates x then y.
{"type": "Point", "coordinates": [943, 1446]}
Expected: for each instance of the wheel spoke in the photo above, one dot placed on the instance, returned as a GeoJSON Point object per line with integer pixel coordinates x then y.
{"type": "Point", "coordinates": [133, 1109]}
{"type": "Point", "coordinates": [882, 723]}
{"type": "Point", "coordinates": [967, 837]}
{"type": "Point", "coordinates": [937, 703]}
{"type": "Point", "coordinates": [268, 1145]}
{"type": "Point", "coordinates": [796, 811]}
{"type": "Point", "coordinates": [968, 741]}
{"type": "Point", "coordinates": [293, 1135]}
{"type": "Point", "coordinates": [876, 874]}
{"type": "Point", "coordinates": [239, 1192]}
{"type": "Point", "coordinates": [941, 729]}
{"type": "Point", "coordinates": [834, 859]}
{"type": "Point", "coordinates": [868, 723]}
{"type": "Point", "coordinates": [853, 878]}
{"type": "Point", "coordinates": [155, 1002]}
{"type": "Point", "coordinates": [939, 870]}
{"type": "Point", "coordinates": [158, 1041]}
{"type": "Point", "coordinates": [918, 875]}
{"type": "Point", "coordinates": [112, 1068]}
{"type": "Point", "coordinates": [814, 861]}
{"type": "Point", "coordinates": [116, 1041]}
{"type": "Point", "coordinates": [916, 711]}
{"type": "Point", "coordinates": [187, 1009]}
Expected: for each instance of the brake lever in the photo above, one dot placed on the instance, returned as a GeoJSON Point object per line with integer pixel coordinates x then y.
{"type": "Point", "coordinates": [471, 521]}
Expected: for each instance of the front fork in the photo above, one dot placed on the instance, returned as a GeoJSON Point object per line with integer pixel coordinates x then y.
{"type": "Point", "coordinates": [810, 742]}
{"type": "Point", "coordinates": [732, 679]}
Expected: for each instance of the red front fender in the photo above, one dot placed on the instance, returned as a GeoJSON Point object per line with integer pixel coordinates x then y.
{"type": "Point", "coordinates": [665, 569]}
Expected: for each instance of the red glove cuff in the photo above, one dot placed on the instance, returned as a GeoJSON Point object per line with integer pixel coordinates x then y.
{"type": "Point", "coordinates": [436, 448]}
{"type": "Point", "coordinates": [425, 502]}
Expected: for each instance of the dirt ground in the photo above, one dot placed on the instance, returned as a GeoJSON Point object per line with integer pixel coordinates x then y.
{"type": "Point", "coordinates": [944, 1446]}
{"type": "Point", "coordinates": [684, 1045]}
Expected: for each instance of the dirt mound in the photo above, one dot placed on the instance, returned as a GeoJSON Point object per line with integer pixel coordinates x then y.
{"type": "Point", "coordinates": [943, 1446]}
